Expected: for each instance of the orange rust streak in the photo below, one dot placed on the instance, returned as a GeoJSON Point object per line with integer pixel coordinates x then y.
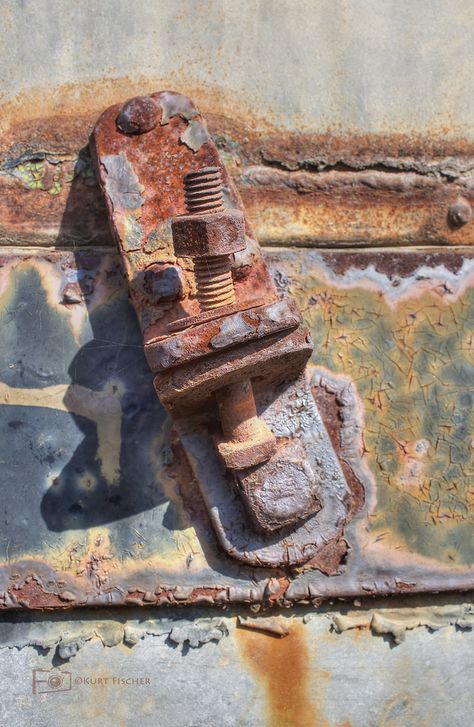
{"type": "Point", "coordinates": [284, 667]}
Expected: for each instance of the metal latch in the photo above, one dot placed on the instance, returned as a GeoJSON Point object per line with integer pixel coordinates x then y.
{"type": "Point", "coordinates": [227, 351]}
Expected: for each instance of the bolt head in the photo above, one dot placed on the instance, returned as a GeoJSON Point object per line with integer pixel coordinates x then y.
{"type": "Point", "coordinates": [258, 448]}
{"type": "Point", "coordinates": [138, 115]}
{"type": "Point", "coordinates": [460, 212]}
{"type": "Point", "coordinates": [282, 491]}
{"type": "Point", "coordinates": [219, 233]}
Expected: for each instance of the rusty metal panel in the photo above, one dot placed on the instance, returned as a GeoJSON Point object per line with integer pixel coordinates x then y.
{"type": "Point", "coordinates": [343, 126]}
{"type": "Point", "coordinates": [298, 188]}
{"type": "Point", "coordinates": [99, 503]}
{"type": "Point", "coordinates": [331, 139]}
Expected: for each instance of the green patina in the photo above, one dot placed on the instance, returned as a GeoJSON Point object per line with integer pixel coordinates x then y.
{"type": "Point", "coordinates": [33, 172]}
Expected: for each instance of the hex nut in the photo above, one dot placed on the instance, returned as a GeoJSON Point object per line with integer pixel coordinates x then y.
{"type": "Point", "coordinates": [217, 233]}
{"type": "Point", "coordinates": [240, 455]}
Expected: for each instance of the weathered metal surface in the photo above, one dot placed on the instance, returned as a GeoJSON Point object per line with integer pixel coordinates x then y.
{"type": "Point", "coordinates": [379, 93]}
{"type": "Point", "coordinates": [100, 507]}
{"type": "Point", "coordinates": [298, 189]}
{"type": "Point", "coordinates": [295, 498]}
{"type": "Point", "coordinates": [350, 146]}
{"type": "Point", "coordinates": [206, 338]}
{"type": "Point", "coordinates": [316, 66]}
{"type": "Point", "coordinates": [404, 663]}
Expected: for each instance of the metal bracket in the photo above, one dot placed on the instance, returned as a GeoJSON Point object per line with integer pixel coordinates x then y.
{"type": "Point", "coordinates": [227, 352]}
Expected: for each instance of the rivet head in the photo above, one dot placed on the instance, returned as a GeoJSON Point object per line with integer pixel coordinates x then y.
{"type": "Point", "coordinates": [138, 115]}
{"type": "Point", "coordinates": [460, 212]}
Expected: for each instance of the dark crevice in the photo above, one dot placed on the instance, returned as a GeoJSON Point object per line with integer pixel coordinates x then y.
{"type": "Point", "coordinates": [396, 166]}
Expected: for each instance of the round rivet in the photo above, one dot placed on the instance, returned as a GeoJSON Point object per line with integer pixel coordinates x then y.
{"type": "Point", "coordinates": [138, 115]}
{"type": "Point", "coordinates": [460, 212]}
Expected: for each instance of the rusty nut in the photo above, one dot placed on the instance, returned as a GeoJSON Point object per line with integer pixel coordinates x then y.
{"type": "Point", "coordinates": [282, 491]}
{"type": "Point", "coordinates": [219, 233]}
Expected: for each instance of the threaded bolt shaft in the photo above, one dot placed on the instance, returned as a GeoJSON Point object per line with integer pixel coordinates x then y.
{"type": "Point", "coordinates": [215, 287]}
{"type": "Point", "coordinates": [204, 191]}
{"type": "Point", "coordinates": [247, 439]}
{"type": "Point", "coordinates": [204, 194]}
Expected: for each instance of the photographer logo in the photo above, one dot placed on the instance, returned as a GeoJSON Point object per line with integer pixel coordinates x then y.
{"type": "Point", "coordinates": [46, 681]}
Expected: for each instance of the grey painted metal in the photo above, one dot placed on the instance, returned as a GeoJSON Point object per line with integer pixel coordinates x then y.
{"type": "Point", "coordinates": [351, 678]}
{"type": "Point", "coordinates": [359, 66]}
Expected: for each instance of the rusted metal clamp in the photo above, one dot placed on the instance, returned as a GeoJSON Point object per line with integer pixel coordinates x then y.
{"type": "Point", "coordinates": [227, 352]}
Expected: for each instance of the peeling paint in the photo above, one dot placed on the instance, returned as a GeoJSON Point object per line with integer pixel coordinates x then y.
{"type": "Point", "coordinates": [156, 528]}
{"type": "Point", "coordinates": [396, 623]}
{"type": "Point", "coordinates": [198, 633]}
{"type": "Point", "coordinates": [403, 339]}
{"type": "Point", "coordinates": [275, 625]}
{"type": "Point", "coordinates": [195, 135]}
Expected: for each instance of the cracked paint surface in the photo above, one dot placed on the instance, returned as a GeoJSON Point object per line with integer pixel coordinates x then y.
{"type": "Point", "coordinates": [100, 505]}
{"type": "Point", "coordinates": [407, 344]}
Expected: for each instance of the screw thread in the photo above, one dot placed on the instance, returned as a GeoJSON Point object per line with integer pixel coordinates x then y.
{"type": "Point", "coordinates": [204, 191]}
{"type": "Point", "coordinates": [215, 287]}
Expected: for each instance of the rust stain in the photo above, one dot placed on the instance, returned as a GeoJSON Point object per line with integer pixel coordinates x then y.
{"type": "Point", "coordinates": [330, 410]}
{"type": "Point", "coordinates": [31, 594]}
{"type": "Point", "coordinates": [363, 208]}
{"type": "Point", "coordinates": [281, 149]}
{"type": "Point", "coordinates": [301, 188]}
{"type": "Point", "coordinates": [284, 667]}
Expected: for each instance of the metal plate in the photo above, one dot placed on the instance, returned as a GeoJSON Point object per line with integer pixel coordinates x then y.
{"type": "Point", "coordinates": [99, 504]}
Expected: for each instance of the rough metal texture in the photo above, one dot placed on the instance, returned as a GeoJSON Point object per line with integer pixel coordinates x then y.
{"type": "Point", "coordinates": [215, 335]}
{"type": "Point", "coordinates": [290, 412]}
{"type": "Point", "coordinates": [370, 148]}
{"type": "Point", "coordinates": [399, 664]}
{"type": "Point", "coordinates": [246, 439]}
{"type": "Point", "coordinates": [391, 86]}
{"type": "Point", "coordinates": [138, 115]}
{"type": "Point", "coordinates": [298, 189]}
{"type": "Point", "coordinates": [223, 233]}
{"type": "Point", "coordinates": [282, 491]}
{"type": "Point", "coordinates": [117, 517]}
{"type": "Point", "coordinates": [142, 178]}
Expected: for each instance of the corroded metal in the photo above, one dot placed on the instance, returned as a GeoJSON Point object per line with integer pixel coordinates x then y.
{"type": "Point", "coordinates": [280, 669]}
{"type": "Point", "coordinates": [331, 189]}
{"type": "Point", "coordinates": [298, 475]}
{"type": "Point", "coordinates": [89, 458]}
{"type": "Point", "coordinates": [211, 235]}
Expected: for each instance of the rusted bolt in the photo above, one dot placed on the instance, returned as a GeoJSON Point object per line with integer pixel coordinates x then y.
{"type": "Point", "coordinates": [138, 115]}
{"type": "Point", "coordinates": [460, 212]}
{"type": "Point", "coordinates": [282, 491]}
{"type": "Point", "coordinates": [210, 235]}
{"type": "Point", "coordinates": [247, 439]}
